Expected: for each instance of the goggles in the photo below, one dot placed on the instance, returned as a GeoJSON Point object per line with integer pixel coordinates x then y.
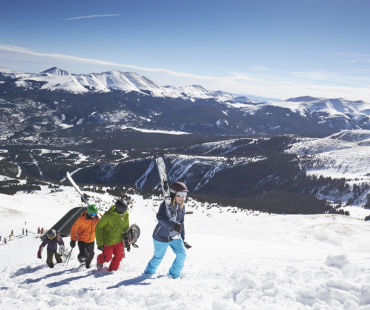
{"type": "Point", "coordinates": [181, 194]}
{"type": "Point", "coordinates": [51, 238]}
{"type": "Point", "coordinates": [92, 214]}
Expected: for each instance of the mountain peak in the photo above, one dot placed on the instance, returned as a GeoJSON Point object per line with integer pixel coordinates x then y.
{"type": "Point", "coordinates": [55, 71]}
{"type": "Point", "coordinates": [304, 99]}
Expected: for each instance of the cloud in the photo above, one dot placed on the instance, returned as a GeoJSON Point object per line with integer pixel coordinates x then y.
{"type": "Point", "coordinates": [16, 49]}
{"type": "Point", "coordinates": [312, 75]}
{"type": "Point", "coordinates": [93, 16]}
{"type": "Point", "coordinates": [350, 85]}
{"type": "Point", "coordinates": [356, 57]}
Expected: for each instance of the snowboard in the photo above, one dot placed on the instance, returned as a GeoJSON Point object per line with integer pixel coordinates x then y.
{"type": "Point", "coordinates": [131, 235]}
{"type": "Point", "coordinates": [64, 225]}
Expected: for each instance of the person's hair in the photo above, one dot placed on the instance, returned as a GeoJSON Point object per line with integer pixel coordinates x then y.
{"type": "Point", "coordinates": [173, 195]}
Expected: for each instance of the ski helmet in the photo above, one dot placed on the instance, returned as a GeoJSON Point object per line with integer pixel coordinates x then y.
{"type": "Point", "coordinates": [121, 206]}
{"type": "Point", "coordinates": [178, 187]}
{"type": "Point", "coordinates": [92, 209]}
{"type": "Point", "coordinates": [51, 234]}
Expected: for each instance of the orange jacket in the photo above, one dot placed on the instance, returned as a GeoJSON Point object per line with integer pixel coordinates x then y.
{"type": "Point", "coordinates": [84, 229]}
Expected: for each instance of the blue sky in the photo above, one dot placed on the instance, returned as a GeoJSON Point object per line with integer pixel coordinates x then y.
{"type": "Point", "coordinates": [270, 48]}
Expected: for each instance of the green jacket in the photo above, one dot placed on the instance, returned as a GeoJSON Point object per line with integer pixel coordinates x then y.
{"type": "Point", "coordinates": [111, 226]}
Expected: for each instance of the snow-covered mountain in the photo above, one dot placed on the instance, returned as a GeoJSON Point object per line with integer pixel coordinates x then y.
{"type": "Point", "coordinates": [59, 79]}
{"type": "Point", "coordinates": [109, 119]}
{"type": "Point", "coordinates": [192, 108]}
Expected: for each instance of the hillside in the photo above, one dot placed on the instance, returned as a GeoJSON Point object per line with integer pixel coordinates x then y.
{"type": "Point", "coordinates": [238, 260]}
{"type": "Point", "coordinates": [293, 156]}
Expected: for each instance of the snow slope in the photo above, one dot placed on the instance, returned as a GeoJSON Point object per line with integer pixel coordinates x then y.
{"type": "Point", "coordinates": [239, 260]}
{"type": "Point", "coordinates": [341, 155]}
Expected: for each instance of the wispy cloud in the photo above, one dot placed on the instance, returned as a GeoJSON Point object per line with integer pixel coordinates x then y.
{"type": "Point", "coordinates": [354, 57]}
{"type": "Point", "coordinates": [312, 75]}
{"type": "Point", "coordinates": [278, 85]}
{"type": "Point", "coordinates": [93, 16]}
{"type": "Point", "coordinates": [26, 51]}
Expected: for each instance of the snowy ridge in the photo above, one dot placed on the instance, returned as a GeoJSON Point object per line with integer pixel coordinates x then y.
{"type": "Point", "coordinates": [352, 114]}
{"type": "Point", "coordinates": [59, 79]}
{"type": "Point", "coordinates": [341, 155]}
{"type": "Point", "coordinates": [238, 260]}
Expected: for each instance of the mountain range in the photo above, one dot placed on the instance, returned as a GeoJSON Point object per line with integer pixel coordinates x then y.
{"type": "Point", "coordinates": [107, 127]}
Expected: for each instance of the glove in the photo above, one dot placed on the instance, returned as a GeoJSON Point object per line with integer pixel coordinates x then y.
{"type": "Point", "coordinates": [39, 252]}
{"type": "Point", "coordinates": [72, 243]}
{"type": "Point", "coordinates": [84, 198]}
{"type": "Point", "coordinates": [187, 245]}
{"type": "Point", "coordinates": [101, 248]}
{"type": "Point", "coordinates": [178, 227]}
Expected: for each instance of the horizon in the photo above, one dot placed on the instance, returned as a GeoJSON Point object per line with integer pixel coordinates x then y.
{"type": "Point", "coordinates": [275, 49]}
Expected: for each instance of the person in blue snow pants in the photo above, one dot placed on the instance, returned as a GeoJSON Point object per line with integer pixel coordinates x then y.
{"type": "Point", "coordinates": [170, 232]}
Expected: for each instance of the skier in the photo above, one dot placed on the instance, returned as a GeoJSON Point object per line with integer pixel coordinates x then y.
{"type": "Point", "coordinates": [170, 232]}
{"type": "Point", "coordinates": [109, 235]}
{"type": "Point", "coordinates": [83, 231]}
{"type": "Point", "coordinates": [52, 240]}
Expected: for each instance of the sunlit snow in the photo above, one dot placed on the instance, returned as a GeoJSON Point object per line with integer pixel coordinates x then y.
{"type": "Point", "coordinates": [239, 260]}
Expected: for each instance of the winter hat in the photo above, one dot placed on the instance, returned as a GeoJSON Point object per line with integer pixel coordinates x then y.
{"type": "Point", "coordinates": [92, 209]}
{"type": "Point", "coordinates": [121, 206]}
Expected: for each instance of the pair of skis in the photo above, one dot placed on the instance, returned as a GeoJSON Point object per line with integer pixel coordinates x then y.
{"type": "Point", "coordinates": [73, 183]}
{"type": "Point", "coordinates": [164, 183]}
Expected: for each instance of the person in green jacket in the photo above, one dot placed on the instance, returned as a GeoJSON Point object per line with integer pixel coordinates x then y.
{"type": "Point", "coordinates": [109, 235]}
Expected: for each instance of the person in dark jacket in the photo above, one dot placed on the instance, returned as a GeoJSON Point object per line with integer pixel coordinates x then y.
{"type": "Point", "coordinates": [109, 235]}
{"type": "Point", "coordinates": [52, 240]}
{"type": "Point", "coordinates": [170, 232]}
{"type": "Point", "coordinates": [83, 231]}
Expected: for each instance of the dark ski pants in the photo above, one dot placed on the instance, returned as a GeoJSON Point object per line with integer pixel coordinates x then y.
{"type": "Point", "coordinates": [49, 258]}
{"type": "Point", "coordinates": [86, 252]}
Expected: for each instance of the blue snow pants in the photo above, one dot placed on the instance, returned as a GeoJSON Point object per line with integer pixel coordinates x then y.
{"type": "Point", "coordinates": [160, 248]}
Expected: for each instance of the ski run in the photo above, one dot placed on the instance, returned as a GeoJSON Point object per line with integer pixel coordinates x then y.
{"type": "Point", "coordinates": [238, 260]}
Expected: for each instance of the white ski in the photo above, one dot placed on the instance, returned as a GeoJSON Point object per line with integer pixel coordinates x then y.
{"type": "Point", "coordinates": [73, 183]}
{"type": "Point", "coordinates": [164, 182]}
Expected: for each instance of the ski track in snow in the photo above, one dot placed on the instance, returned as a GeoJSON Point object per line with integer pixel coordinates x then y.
{"type": "Point", "coordinates": [141, 181]}
{"type": "Point", "coordinates": [238, 260]}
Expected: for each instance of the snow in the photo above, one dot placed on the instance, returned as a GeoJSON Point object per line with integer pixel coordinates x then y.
{"type": "Point", "coordinates": [238, 260]}
{"type": "Point", "coordinates": [167, 132]}
{"type": "Point", "coordinates": [343, 154]}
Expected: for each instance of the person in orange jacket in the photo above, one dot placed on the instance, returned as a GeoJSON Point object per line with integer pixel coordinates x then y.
{"type": "Point", "coordinates": [83, 231]}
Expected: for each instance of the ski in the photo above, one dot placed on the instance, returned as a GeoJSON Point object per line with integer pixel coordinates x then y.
{"type": "Point", "coordinates": [68, 257]}
{"type": "Point", "coordinates": [163, 178]}
{"type": "Point", "coordinates": [73, 183]}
